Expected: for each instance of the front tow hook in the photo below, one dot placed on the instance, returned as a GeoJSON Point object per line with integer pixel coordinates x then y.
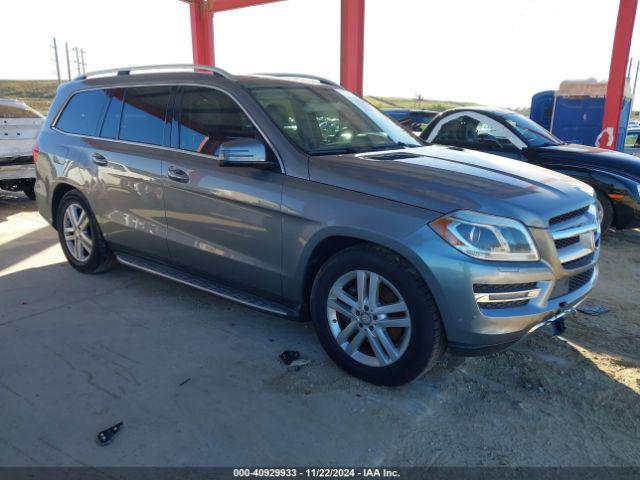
{"type": "Point", "coordinates": [557, 322]}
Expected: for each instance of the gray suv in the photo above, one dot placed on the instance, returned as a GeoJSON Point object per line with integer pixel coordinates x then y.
{"type": "Point", "coordinates": [293, 196]}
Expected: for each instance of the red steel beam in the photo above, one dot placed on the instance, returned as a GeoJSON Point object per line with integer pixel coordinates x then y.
{"type": "Point", "coordinates": [222, 5]}
{"type": "Point", "coordinates": [617, 73]}
{"type": "Point", "coordinates": [352, 45]}
{"type": "Point", "coordinates": [201, 32]}
{"type": "Point", "coordinates": [201, 12]}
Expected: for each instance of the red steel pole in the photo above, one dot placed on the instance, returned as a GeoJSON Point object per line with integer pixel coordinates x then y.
{"type": "Point", "coordinates": [617, 73]}
{"type": "Point", "coordinates": [201, 32]}
{"type": "Point", "coordinates": [352, 45]}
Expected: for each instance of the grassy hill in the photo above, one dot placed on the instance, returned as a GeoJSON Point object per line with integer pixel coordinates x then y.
{"type": "Point", "coordinates": [36, 93]}
{"type": "Point", "coordinates": [39, 94]}
{"type": "Point", "coordinates": [426, 104]}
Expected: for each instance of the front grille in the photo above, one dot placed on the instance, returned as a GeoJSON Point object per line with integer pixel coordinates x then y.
{"type": "Point", "coordinates": [568, 285]}
{"type": "Point", "coordinates": [566, 242]}
{"type": "Point", "coordinates": [579, 262]}
{"type": "Point", "coordinates": [568, 216]}
{"type": "Point", "coordinates": [500, 305]}
{"type": "Point", "coordinates": [503, 287]}
{"type": "Point", "coordinates": [580, 280]}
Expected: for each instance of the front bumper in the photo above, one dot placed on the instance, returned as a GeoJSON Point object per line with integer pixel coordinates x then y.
{"type": "Point", "coordinates": [471, 328]}
{"type": "Point", "coordinates": [17, 172]}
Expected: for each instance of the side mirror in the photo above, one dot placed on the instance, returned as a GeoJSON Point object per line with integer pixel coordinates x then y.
{"type": "Point", "coordinates": [242, 152]}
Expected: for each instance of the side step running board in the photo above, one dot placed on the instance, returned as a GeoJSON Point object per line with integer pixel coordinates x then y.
{"type": "Point", "coordinates": [205, 285]}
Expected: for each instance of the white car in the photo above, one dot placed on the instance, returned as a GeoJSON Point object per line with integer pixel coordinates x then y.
{"type": "Point", "coordinates": [19, 127]}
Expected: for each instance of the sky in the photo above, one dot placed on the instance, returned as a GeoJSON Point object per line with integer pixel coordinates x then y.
{"type": "Point", "coordinates": [493, 52]}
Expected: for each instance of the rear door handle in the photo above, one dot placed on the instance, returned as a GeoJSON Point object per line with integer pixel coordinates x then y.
{"type": "Point", "coordinates": [178, 175]}
{"type": "Point", "coordinates": [99, 159]}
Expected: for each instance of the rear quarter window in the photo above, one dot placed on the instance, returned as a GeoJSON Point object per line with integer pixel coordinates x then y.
{"type": "Point", "coordinates": [83, 112]}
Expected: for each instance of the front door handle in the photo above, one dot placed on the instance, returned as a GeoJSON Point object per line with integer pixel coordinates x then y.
{"type": "Point", "coordinates": [99, 159]}
{"type": "Point", "coordinates": [178, 175]}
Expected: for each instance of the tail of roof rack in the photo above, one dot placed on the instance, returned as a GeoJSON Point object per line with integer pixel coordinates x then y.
{"type": "Point", "coordinates": [300, 76]}
{"type": "Point", "coordinates": [128, 70]}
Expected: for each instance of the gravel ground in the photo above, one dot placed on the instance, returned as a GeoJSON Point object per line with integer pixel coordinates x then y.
{"type": "Point", "coordinates": [79, 353]}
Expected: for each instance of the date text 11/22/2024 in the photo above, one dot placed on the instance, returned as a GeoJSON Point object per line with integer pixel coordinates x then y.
{"type": "Point", "coordinates": [316, 473]}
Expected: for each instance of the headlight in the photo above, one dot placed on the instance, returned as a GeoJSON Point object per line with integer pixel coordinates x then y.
{"type": "Point", "coordinates": [487, 237]}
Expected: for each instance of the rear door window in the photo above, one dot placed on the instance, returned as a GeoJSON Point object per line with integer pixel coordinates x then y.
{"type": "Point", "coordinates": [83, 112]}
{"type": "Point", "coordinates": [144, 113]}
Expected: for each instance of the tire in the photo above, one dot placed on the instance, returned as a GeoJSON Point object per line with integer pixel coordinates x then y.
{"type": "Point", "coordinates": [418, 345]}
{"type": "Point", "coordinates": [96, 259]}
{"type": "Point", "coordinates": [607, 211]}
{"type": "Point", "coordinates": [30, 193]}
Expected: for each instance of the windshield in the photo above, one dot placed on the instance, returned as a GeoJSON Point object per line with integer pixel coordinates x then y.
{"type": "Point", "coordinates": [323, 121]}
{"type": "Point", "coordinates": [532, 133]}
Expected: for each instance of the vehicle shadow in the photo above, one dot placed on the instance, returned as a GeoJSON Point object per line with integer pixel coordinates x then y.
{"type": "Point", "coordinates": [12, 203]}
{"type": "Point", "coordinates": [88, 349]}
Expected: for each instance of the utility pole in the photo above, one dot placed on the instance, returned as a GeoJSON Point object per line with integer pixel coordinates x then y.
{"type": "Point", "coordinates": [66, 47]}
{"type": "Point", "coordinates": [55, 56]}
{"type": "Point", "coordinates": [84, 65]}
{"type": "Point", "coordinates": [75, 49]}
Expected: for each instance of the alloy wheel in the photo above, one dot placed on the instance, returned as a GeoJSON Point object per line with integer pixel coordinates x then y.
{"type": "Point", "coordinates": [77, 232]}
{"type": "Point", "coordinates": [369, 318]}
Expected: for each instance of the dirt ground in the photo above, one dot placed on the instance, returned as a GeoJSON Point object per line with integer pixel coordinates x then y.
{"type": "Point", "coordinates": [78, 353]}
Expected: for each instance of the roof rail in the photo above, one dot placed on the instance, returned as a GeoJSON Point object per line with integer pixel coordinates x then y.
{"type": "Point", "coordinates": [302, 76]}
{"type": "Point", "coordinates": [177, 66]}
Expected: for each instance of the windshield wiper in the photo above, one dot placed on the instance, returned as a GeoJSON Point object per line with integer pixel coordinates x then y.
{"type": "Point", "coordinates": [336, 151]}
{"type": "Point", "coordinates": [393, 145]}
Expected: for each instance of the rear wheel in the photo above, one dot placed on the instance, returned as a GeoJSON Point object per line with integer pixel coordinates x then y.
{"type": "Point", "coordinates": [375, 316]}
{"type": "Point", "coordinates": [80, 236]}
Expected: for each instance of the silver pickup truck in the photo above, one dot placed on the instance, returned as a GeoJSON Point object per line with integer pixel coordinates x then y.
{"type": "Point", "coordinates": [19, 127]}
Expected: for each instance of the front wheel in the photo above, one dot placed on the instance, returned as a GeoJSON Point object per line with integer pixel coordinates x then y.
{"type": "Point", "coordinates": [605, 211]}
{"type": "Point", "coordinates": [375, 316]}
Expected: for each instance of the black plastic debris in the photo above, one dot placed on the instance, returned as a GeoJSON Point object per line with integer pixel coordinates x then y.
{"type": "Point", "coordinates": [592, 309]}
{"type": "Point", "coordinates": [289, 356]}
{"type": "Point", "coordinates": [185, 382]}
{"type": "Point", "coordinates": [105, 437]}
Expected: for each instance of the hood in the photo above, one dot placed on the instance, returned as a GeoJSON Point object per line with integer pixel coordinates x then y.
{"type": "Point", "coordinates": [609, 160]}
{"type": "Point", "coordinates": [445, 179]}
